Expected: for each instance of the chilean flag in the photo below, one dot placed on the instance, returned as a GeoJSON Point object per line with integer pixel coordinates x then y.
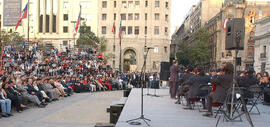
{"type": "Point", "coordinates": [23, 15]}
{"type": "Point", "coordinates": [224, 25]}
{"type": "Point", "coordinates": [77, 24]}
{"type": "Point", "coordinates": [113, 28]}
{"type": "Point", "coordinates": [120, 30]}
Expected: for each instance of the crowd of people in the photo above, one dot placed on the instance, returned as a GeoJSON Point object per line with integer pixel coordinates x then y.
{"type": "Point", "coordinates": [41, 77]}
{"type": "Point", "coordinates": [211, 89]}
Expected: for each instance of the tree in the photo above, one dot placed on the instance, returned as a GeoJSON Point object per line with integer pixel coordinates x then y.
{"type": "Point", "coordinates": [87, 37]}
{"type": "Point", "coordinates": [11, 38]}
{"type": "Point", "coordinates": [197, 53]}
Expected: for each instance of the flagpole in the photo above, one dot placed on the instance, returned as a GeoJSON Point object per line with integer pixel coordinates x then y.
{"type": "Point", "coordinates": [120, 43]}
{"type": "Point", "coordinates": [28, 23]}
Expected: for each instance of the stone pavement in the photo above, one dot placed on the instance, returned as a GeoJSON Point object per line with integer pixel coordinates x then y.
{"type": "Point", "coordinates": [79, 110]}
{"type": "Point", "coordinates": [164, 113]}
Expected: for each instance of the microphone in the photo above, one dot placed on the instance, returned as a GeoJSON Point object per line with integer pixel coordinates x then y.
{"type": "Point", "coordinates": [149, 47]}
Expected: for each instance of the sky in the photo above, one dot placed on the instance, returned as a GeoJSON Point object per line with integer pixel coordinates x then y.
{"type": "Point", "coordinates": [179, 10]}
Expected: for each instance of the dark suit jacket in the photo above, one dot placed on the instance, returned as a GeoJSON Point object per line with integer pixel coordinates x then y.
{"type": "Point", "coordinates": [174, 70]}
{"type": "Point", "coordinates": [30, 89]}
{"type": "Point", "coordinates": [223, 83]}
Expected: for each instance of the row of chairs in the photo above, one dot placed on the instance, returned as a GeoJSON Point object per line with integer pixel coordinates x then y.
{"type": "Point", "coordinates": [240, 102]}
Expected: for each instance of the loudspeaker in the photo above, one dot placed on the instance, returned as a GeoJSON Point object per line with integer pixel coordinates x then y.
{"type": "Point", "coordinates": [115, 111]}
{"type": "Point", "coordinates": [164, 71]}
{"type": "Point", "coordinates": [267, 96]}
{"type": "Point", "coordinates": [235, 34]}
{"type": "Point", "coordinates": [238, 61]}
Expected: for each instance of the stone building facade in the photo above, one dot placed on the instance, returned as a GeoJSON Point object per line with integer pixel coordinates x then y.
{"type": "Point", "coordinates": [262, 45]}
{"type": "Point", "coordinates": [196, 18]}
{"type": "Point", "coordinates": [144, 23]}
{"type": "Point", "coordinates": [251, 11]}
{"type": "Point", "coordinates": [51, 20]}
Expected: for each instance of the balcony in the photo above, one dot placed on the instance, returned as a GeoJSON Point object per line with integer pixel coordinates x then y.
{"type": "Point", "coordinates": [263, 55]}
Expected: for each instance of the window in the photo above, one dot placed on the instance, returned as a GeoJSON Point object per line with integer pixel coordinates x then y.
{"type": "Point", "coordinates": [65, 43]}
{"type": "Point", "coordinates": [157, 3]}
{"type": "Point", "coordinates": [130, 16]}
{"type": "Point", "coordinates": [165, 49]}
{"type": "Point", "coordinates": [167, 4]}
{"type": "Point", "coordinates": [145, 16]}
{"type": "Point", "coordinates": [66, 5]}
{"type": "Point", "coordinates": [156, 30]}
{"type": "Point", "coordinates": [124, 4]}
{"type": "Point", "coordinates": [114, 16]}
{"type": "Point", "coordinates": [167, 17]}
{"type": "Point", "coordinates": [137, 30]}
{"type": "Point", "coordinates": [130, 30]}
{"type": "Point", "coordinates": [130, 4]}
{"type": "Point", "coordinates": [145, 30]}
{"type": "Point", "coordinates": [104, 4]}
{"type": "Point", "coordinates": [114, 4]}
{"type": "Point", "coordinates": [124, 29]}
{"type": "Point", "coordinates": [156, 16]}
{"type": "Point", "coordinates": [86, 17]}
{"type": "Point", "coordinates": [137, 16]}
{"type": "Point", "coordinates": [86, 4]}
{"type": "Point", "coordinates": [104, 16]}
{"type": "Point", "coordinates": [264, 49]}
{"type": "Point", "coordinates": [113, 63]}
{"type": "Point", "coordinates": [65, 29]}
{"type": "Point", "coordinates": [104, 30]}
{"type": "Point", "coordinates": [137, 4]}
{"type": "Point", "coordinates": [113, 48]}
{"type": "Point", "coordinates": [166, 30]}
{"type": "Point", "coordinates": [123, 16]}
{"type": "Point", "coordinates": [65, 17]}
{"type": "Point", "coordinates": [146, 3]}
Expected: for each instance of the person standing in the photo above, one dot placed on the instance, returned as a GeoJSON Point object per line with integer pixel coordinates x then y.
{"type": "Point", "coordinates": [174, 79]}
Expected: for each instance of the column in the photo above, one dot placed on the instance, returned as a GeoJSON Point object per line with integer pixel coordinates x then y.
{"type": "Point", "coordinates": [58, 16]}
{"type": "Point", "coordinates": [44, 17]}
{"type": "Point", "coordinates": [51, 17]}
{"type": "Point", "coordinates": [38, 17]}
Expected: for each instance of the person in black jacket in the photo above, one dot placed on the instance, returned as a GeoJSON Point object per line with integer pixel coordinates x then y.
{"type": "Point", "coordinates": [33, 91]}
{"type": "Point", "coordinates": [15, 97]}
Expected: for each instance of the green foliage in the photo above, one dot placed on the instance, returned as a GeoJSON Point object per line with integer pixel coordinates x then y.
{"type": "Point", "coordinates": [87, 37]}
{"type": "Point", "coordinates": [11, 38]}
{"type": "Point", "coordinates": [103, 44]}
{"type": "Point", "coordinates": [197, 53]}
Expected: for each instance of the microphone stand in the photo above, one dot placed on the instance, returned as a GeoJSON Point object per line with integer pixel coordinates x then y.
{"type": "Point", "coordinates": [142, 115]}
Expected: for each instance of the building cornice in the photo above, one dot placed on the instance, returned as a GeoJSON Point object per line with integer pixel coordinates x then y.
{"type": "Point", "coordinates": [262, 36]}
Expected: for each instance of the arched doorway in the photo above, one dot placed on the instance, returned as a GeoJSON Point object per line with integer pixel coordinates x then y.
{"type": "Point", "coordinates": [129, 60]}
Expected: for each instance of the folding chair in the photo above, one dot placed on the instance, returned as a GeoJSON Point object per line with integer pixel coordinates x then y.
{"type": "Point", "coordinates": [258, 93]}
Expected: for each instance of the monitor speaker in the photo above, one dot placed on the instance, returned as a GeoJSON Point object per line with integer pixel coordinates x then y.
{"type": "Point", "coordinates": [235, 34]}
{"type": "Point", "coordinates": [165, 71]}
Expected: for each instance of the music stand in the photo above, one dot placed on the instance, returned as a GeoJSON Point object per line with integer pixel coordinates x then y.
{"type": "Point", "coordinates": [142, 115]}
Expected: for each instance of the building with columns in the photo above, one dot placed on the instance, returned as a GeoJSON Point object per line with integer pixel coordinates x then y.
{"type": "Point", "coordinates": [144, 23]}
{"type": "Point", "coordinates": [262, 45]}
{"type": "Point", "coordinates": [50, 21]}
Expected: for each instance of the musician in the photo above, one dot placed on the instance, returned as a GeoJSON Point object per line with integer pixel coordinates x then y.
{"type": "Point", "coordinates": [182, 89]}
{"type": "Point", "coordinates": [245, 80]}
{"type": "Point", "coordinates": [199, 78]}
{"type": "Point", "coordinates": [220, 85]}
{"type": "Point", "coordinates": [174, 79]}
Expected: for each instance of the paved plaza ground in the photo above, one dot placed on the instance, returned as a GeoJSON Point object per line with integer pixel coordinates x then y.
{"type": "Point", "coordinates": [164, 113]}
{"type": "Point", "coordinates": [79, 110]}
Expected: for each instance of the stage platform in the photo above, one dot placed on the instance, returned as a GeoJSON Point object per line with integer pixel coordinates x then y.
{"type": "Point", "coordinates": [164, 113]}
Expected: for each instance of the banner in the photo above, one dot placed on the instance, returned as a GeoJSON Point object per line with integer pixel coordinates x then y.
{"type": "Point", "coordinates": [11, 12]}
